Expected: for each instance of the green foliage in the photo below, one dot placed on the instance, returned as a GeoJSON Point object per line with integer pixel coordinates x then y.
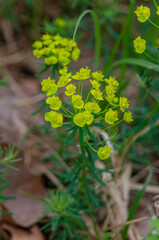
{"type": "Point", "coordinates": [154, 235]}
{"type": "Point", "coordinates": [8, 156]}
{"type": "Point", "coordinates": [66, 219]}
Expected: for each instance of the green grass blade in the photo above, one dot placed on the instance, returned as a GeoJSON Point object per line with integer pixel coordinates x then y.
{"type": "Point", "coordinates": [33, 196]}
{"type": "Point", "coordinates": [97, 34]}
{"type": "Point", "coordinates": [135, 204]}
{"type": "Point", "coordinates": [127, 38]}
{"type": "Point", "coordinates": [136, 62]}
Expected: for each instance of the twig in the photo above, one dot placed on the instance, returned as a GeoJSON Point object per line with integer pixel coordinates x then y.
{"type": "Point", "coordinates": [139, 134]}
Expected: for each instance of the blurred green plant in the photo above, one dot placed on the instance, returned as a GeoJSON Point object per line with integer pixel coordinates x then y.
{"type": "Point", "coordinates": [154, 224]}
{"type": "Point", "coordinates": [8, 156]}
{"type": "Point", "coordinates": [64, 216]}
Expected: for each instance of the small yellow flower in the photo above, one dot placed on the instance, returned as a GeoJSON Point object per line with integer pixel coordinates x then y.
{"type": "Point", "coordinates": [104, 152]}
{"type": "Point", "coordinates": [95, 84]}
{"type": "Point", "coordinates": [97, 94]}
{"type": "Point", "coordinates": [128, 117]}
{"type": "Point", "coordinates": [64, 60]}
{"type": "Point", "coordinates": [139, 45]}
{"type": "Point", "coordinates": [60, 22]}
{"type": "Point", "coordinates": [123, 103]}
{"type": "Point", "coordinates": [49, 86]}
{"type": "Point", "coordinates": [46, 37]}
{"type": "Point", "coordinates": [142, 13]}
{"type": "Point", "coordinates": [110, 90]}
{"type": "Point", "coordinates": [88, 118]}
{"type": "Point", "coordinates": [77, 101]}
{"type": "Point", "coordinates": [79, 120]}
{"type": "Point", "coordinates": [157, 10]}
{"type": "Point", "coordinates": [92, 107]}
{"type": "Point", "coordinates": [98, 76]}
{"type": "Point", "coordinates": [111, 116]}
{"type": "Point", "coordinates": [70, 90]}
{"type": "Point", "coordinates": [63, 81]}
{"type": "Point", "coordinates": [37, 53]}
{"type": "Point", "coordinates": [51, 60]}
{"type": "Point", "coordinates": [111, 98]}
{"type": "Point", "coordinates": [83, 74]}
{"type": "Point", "coordinates": [54, 102]}
{"type": "Point", "coordinates": [55, 118]}
{"type": "Point", "coordinates": [112, 81]}
{"type": "Point", "coordinates": [75, 54]}
{"type": "Point", "coordinates": [46, 51]}
{"type": "Point", "coordinates": [37, 44]}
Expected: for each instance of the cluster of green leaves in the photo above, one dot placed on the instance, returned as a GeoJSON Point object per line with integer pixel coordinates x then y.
{"type": "Point", "coordinates": [8, 156]}
{"type": "Point", "coordinates": [154, 224]}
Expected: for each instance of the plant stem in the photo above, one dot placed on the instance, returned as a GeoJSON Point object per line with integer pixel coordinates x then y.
{"type": "Point", "coordinates": [88, 95]}
{"type": "Point", "coordinates": [82, 87]}
{"type": "Point", "coordinates": [91, 146]}
{"type": "Point", "coordinates": [66, 110]}
{"type": "Point", "coordinates": [89, 205]}
{"type": "Point", "coordinates": [79, 85]}
{"type": "Point", "coordinates": [151, 57]}
{"type": "Point", "coordinates": [155, 3]}
{"type": "Point", "coordinates": [109, 127]}
{"type": "Point", "coordinates": [53, 71]}
{"type": "Point", "coordinates": [153, 23]}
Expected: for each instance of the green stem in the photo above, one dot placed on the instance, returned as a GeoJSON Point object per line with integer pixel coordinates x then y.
{"type": "Point", "coordinates": [127, 38]}
{"type": "Point", "coordinates": [155, 3]}
{"type": "Point", "coordinates": [79, 85]}
{"type": "Point", "coordinates": [67, 116]}
{"type": "Point", "coordinates": [97, 34]}
{"type": "Point", "coordinates": [89, 204]}
{"type": "Point", "coordinates": [72, 104]}
{"type": "Point", "coordinates": [153, 23]}
{"type": "Point", "coordinates": [66, 110]}
{"type": "Point", "coordinates": [53, 71]}
{"type": "Point", "coordinates": [91, 146]}
{"type": "Point", "coordinates": [109, 126]}
{"type": "Point", "coordinates": [82, 87]}
{"type": "Point", "coordinates": [151, 57]}
{"type": "Point", "coordinates": [88, 95]}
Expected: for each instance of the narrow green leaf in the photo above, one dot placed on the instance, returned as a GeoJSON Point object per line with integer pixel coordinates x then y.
{"type": "Point", "coordinates": [89, 194]}
{"type": "Point", "coordinates": [90, 134]}
{"type": "Point", "coordinates": [71, 135]}
{"type": "Point", "coordinates": [69, 176]}
{"type": "Point", "coordinates": [135, 204]}
{"type": "Point", "coordinates": [33, 196]}
{"type": "Point", "coordinates": [42, 71]}
{"type": "Point", "coordinates": [136, 62]}
{"type": "Point", "coordinates": [97, 34]}
{"type": "Point", "coordinates": [81, 140]}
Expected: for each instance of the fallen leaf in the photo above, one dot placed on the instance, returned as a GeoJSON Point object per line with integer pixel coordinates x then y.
{"type": "Point", "coordinates": [26, 210]}
{"type": "Point", "coordinates": [33, 233]}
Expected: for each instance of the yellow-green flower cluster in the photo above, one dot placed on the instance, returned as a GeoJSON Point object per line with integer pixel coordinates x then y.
{"type": "Point", "coordinates": [142, 13]}
{"type": "Point", "coordinates": [82, 118]}
{"type": "Point", "coordinates": [104, 152]}
{"type": "Point", "coordinates": [56, 49]}
{"type": "Point", "coordinates": [85, 109]}
{"type": "Point", "coordinates": [60, 22]}
{"type": "Point", "coordinates": [139, 45]}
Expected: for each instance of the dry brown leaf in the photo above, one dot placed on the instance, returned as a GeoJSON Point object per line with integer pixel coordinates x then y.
{"type": "Point", "coordinates": [34, 233]}
{"type": "Point", "coordinates": [26, 210]}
